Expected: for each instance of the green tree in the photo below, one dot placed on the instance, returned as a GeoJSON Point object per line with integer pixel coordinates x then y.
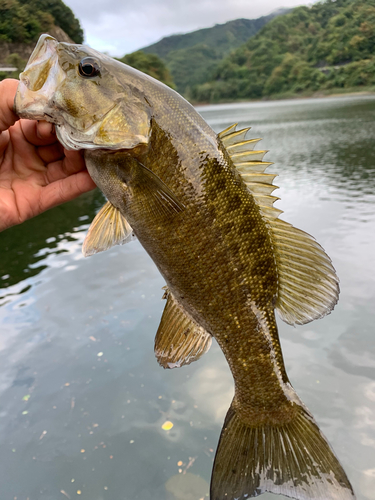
{"type": "Point", "coordinates": [62, 15]}
{"type": "Point", "coordinates": [330, 44]}
{"type": "Point", "coordinates": [150, 64]}
{"type": "Point", "coordinates": [24, 20]}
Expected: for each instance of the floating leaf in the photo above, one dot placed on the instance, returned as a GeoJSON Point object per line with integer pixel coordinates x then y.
{"type": "Point", "coordinates": [167, 426]}
{"type": "Point", "coordinates": [26, 398]}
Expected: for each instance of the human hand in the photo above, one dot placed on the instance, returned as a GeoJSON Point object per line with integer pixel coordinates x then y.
{"type": "Point", "coordinates": [36, 172]}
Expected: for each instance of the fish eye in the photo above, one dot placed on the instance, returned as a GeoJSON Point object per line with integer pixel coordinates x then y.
{"type": "Point", "coordinates": [89, 67]}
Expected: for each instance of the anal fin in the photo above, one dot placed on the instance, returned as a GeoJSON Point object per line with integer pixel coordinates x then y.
{"type": "Point", "coordinates": [179, 340]}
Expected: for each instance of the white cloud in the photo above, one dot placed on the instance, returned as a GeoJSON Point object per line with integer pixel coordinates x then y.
{"type": "Point", "coordinates": [119, 27]}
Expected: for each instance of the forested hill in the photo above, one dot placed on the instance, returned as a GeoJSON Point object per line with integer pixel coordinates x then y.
{"type": "Point", "coordinates": [22, 21]}
{"type": "Point", "coordinates": [328, 45]}
{"type": "Point", "coordinates": [150, 64]}
{"type": "Point", "coordinates": [190, 57]}
{"type": "Point", "coordinates": [21, 24]}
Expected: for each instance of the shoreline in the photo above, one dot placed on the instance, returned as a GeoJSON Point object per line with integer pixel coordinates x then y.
{"type": "Point", "coordinates": [370, 91]}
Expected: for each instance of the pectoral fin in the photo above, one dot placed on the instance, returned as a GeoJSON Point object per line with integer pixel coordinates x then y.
{"type": "Point", "coordinates": [179, 340]}
{"type": "Point", "coordinates": [151, 192]}
{"type": "Point", "coordinates": [109, 228]}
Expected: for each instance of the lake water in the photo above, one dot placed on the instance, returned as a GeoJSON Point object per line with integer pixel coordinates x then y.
{"type": "Point", "coordinates": [82, 398]}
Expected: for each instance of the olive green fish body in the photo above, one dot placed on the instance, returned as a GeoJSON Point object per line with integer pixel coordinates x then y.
{"type": "Point", "coordinates": [225, 277]}
{"type": "Point", "coordinates": [202, 207]}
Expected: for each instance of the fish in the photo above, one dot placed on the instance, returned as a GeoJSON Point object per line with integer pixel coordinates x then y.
{"type": "Point", "coordinates": [202, 206]}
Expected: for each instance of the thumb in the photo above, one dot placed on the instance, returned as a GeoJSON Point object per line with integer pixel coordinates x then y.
{"type": "Point", "coordinates": [8, 90]}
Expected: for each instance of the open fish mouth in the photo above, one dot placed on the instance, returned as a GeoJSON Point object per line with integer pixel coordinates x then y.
{"type": "Point", "coordinates": [52, 88]}
{"type": "Point", "coordinates": [34, 98]}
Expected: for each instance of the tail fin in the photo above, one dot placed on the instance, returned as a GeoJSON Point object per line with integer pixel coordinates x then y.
{"type": "Point", "coordinates": [293, 459]}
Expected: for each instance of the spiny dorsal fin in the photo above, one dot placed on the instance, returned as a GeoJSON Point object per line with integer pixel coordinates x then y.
{"type": "Point", "coordinates": [228, 131]}
{"type": "Point", "coordinates": [234, 137]}
{"type": "Point", "coordinates": [179, 340]}
{"type": "Point", "coordinates": [307, 283]}
{"type": "Point", "coordinates": [239, 147]}
{"type": "Point", "coordinates": [108, 228]}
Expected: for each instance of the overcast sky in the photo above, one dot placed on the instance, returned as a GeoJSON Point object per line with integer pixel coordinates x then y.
{"type": "Point", "coordinates": [123, 26]}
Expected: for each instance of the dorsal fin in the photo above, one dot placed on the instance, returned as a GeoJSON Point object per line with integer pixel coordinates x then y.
{"type": "Point", "coordinates": [307, 282]}
{"type": "Point", "coordinates": [234, 137]}
{"type": "Point", "coordinates": [229, 131]}
{"type": "Point", "coordinates": [240, 146]}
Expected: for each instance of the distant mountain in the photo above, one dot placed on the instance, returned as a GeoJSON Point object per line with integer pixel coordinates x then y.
{"type": "Point", "coordinates": [328, 45]}
{"type": "Point", "coordinates": [190, 57]}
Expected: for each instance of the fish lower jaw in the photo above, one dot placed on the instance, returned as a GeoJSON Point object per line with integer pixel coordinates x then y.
{"type": "Point", "coordinates": [29, 110]}
{"type": "Point", "coordinates": [35, 114]}
{"type": "Point", "coordinates": [72, 139]}
{"type": "Point", "coordinates": [27, 106]}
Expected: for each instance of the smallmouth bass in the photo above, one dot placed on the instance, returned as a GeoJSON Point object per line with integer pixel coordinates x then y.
{"type": "Point", "coordinates": [201, 205]}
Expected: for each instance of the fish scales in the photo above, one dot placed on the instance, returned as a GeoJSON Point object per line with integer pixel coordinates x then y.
{"type": "Point", "coordinates": [200, 205]}
{"type": "Point", "coordinates": [237, 252]}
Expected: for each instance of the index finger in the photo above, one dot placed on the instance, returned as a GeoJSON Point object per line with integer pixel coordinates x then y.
{"type": "Point", "coordinates": [38, 133]}
{"type": "Point", "coordinates": [8, 117]}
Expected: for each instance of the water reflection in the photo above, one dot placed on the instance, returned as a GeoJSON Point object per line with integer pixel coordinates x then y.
{"type": "Point", "coordinates": [83, 400]}
{"type": "Point", "coordinates": [306, 141]}
{"type": "Point", "coordinates": [24, 247]}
